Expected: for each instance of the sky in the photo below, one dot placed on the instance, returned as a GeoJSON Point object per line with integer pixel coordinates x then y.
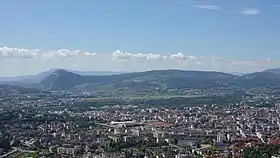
{"type": "Point", "coordinates": [126, 35]}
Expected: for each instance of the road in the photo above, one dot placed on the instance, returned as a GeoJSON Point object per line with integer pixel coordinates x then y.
{"type": "Point", "coordinates": [15, 149]}
{"type": "Point", "coordinates": [9, 153]}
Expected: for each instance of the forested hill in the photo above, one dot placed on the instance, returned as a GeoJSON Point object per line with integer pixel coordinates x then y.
{"type": "Point", "coordinates": [158, 80]}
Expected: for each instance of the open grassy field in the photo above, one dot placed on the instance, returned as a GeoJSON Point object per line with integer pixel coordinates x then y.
{"type": "Point", "coordinates": [23, 155]}
{"type": "Point", "coordinates": [140, 97]}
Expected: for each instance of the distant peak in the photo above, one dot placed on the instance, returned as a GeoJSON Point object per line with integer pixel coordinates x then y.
{"type": "Point", "coordinates": [60, 72]}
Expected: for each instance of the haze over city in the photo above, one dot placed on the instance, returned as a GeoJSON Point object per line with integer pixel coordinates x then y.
{"type": "Point", "coordinates": [228, 36]}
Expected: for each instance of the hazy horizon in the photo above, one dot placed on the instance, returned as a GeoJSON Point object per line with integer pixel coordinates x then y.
{"type": "Point", "coordinates": [118, 72]}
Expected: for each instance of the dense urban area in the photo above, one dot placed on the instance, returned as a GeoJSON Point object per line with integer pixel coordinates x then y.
{"type": "Point", "coordinates": [211, 122]}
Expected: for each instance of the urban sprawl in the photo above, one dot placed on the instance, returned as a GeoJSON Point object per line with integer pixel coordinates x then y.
{"type": "Point", "coordinates": [62, 125]}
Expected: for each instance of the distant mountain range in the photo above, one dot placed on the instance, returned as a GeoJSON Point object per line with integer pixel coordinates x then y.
{"type": "Point", "coordinates": [159, 80]}
{"type": "Point", "coordinates": [39, 77]}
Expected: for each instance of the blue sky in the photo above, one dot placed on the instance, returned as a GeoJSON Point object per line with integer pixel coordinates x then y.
{"type": "Point", "coordinates": [242, 35]}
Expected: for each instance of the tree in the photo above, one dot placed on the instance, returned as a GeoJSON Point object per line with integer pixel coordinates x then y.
{"type": "Point", "coordinates": [261, 151]}
{"type": "Point", "coordinates": [5, 144]}
{"type": "Point", "coordinates": [128, 153]}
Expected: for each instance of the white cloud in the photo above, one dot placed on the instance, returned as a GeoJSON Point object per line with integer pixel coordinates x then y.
{"type": "Point", "coordinates": [181, 56]}
{"type": "Point", "coordinates": [89, 54]}
{"type": "Point", "coordinates": [178, 56]}
{"type": "Point", "coordinates": [250, 11]}
{"type": "Point", "coordinates": [192, 57]}
{"type": "Point", "coordinates": [207, 7]}
{"type": "Point", "coordinates": [122, 56]}
{"type": "Point", "coordinates": [66, 53]}
{"type": "Point", "coordinates": [134, 61]}
{"type": "Point", "coordinates": [7, 52]}
{"type": "Point", "coordinates": [126, 56]}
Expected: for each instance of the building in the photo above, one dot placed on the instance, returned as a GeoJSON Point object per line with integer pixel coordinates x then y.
{"type": "Point", "coordinates": [183, 156]}
{"type": "Point", "coordinates": [113, 155]}
{"type": "Point", "coordinates": [67, 151]}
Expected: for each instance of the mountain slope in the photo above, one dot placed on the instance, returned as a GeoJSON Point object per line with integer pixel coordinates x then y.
{"type": "Point", "coordinates": [27, 78]}
{"type": "Point", "coordinates": [18, 89]}
{"type": "Point", "coordinates": [18, 80]}
{"type": "Point", "coordinates": [63, 80]}
{"type": "Point", "coordinates": [95, 73]}
{"type": "Point", "coordinates": [258, 79]}
{"type": "Point", "coordinates": [158, 79]}
{"type": "Point", "coordinates": [275, 71]}
{"type": "Point", "coordinates": [60, 79]}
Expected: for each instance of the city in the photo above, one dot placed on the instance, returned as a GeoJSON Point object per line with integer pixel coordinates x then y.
{"type": "Point", "coordinates": [33, 126]}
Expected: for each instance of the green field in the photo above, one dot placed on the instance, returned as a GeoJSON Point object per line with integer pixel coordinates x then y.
{"type": "Point", "coordinates": [23, 155]}
{"type": "Point", "coordinates": [141, 97]}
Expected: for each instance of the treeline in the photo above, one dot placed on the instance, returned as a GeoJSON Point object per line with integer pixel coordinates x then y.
{"type": "Point", "coordinates": [262, 151]}
{"type": "Point", "coordinates": [5, 144]}
{"type": "Point", "coordinates": [170, 102]}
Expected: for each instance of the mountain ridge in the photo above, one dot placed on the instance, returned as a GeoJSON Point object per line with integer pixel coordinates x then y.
{"type": "Point", "coordinates": [159, 79]}
{"type": "Point", "coordinates": [40, 76]}
{"type": "Point", "coordinates": [171, 78]}
{"type": "Point", "coordinates": [275, 70]}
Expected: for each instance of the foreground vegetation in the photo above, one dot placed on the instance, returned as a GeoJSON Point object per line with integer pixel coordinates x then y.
{"type": "Point", "coordinates": [262, 151]}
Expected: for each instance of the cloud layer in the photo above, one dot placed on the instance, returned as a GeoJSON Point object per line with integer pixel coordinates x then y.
{"type": "Point", "coordinates": [122, 56]}
{"type": "Point", "coordinates": [125, 56]}
{"type": "Point", "coordinates": [250, 11]}
{"type": "Point", "coordinates": [245, 11]}
{"type": "Point", "coordinates": [7, 52]}
{"type": "Point", "coordinates": [207, 7]}
{"type": "Point", "coordinates": [127, 60]}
